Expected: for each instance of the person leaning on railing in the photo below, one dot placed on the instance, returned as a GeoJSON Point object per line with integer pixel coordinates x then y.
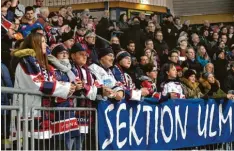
{"type": "Point", "coordinates": [33, 72]}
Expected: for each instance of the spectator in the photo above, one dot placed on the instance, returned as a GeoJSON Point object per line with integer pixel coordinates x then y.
{"type": "Point", "coordinates": [84, 77]}
{"type": "Point", "coordinates": [139, 69]}
{"type": "Point", "coordinates": [149, 79]}
{"type": "Point", "coordinates": [202, 56]}
{"type": "Point", "coordinates": [63, 12]}
{"type": "Point", "coordinates": [123, 24]}
{"type": "Point", "coordinates": [80, 35]}
{"type": "Point", "coordinates": [190, 85]}
{"type": "Point", "coordinates": [29, 17]}
{"type": "Point", "coordinates": [177, 23]}
{"type": "Point", "coordinates": [134, 62]}
{"type": "Point", "coordinates": [195, 41]}
{"type": "Point", "coordinates": [207, 27]}
{"type": "Point", "coordinates": [149, 44]}
{"type": "Point", "coordinates": [39, 3]}
{"type": "Point", "coordinates": [215, 39]}
{"type": "Point", "coordinates": [119, 70]}
{"type": "Point", "coordinates": [209, 68]}
{"type": "Point", "coordinates": [90, 41]}
{"type": "Point", "coordinates": [183, 46]}
{"type": "Point", "coordinates": [150, 31]}
{"type": "Point", "coordinates": [152, 56]}
{"type": "Point", "coordinates": [171, 87]}
{"type": "Point", "coordinates": [220, 66]}
{"type": "Point", "coordinates": [229, 79]}
{"type": "Point", "coordinates": [62, 68]}
{"type": "Point", "coordinates": [191, 62]}
{"type": "Point", "coordinates": [204, 38]}
{"type": "Point", "coordinates": [105, 76]}
{"type": "Point", "coordinates": [143, 22]}
{"type": "Point", "coordinates": [43, 16]}
{"type": "Point", "coordinates": [68, 40]}
{"type": "Point", "coordinates": [32, 73]}
{"type": "Point", "coordinates": [211, 87]}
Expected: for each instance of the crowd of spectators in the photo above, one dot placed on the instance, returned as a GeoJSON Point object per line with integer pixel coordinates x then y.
{"type": "Point", "coordinates": [61, 54]}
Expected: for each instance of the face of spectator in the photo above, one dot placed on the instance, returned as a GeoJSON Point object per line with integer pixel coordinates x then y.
{"type": "Point", "coordinates": [195, 39]}
{"type": "Point", "coordinates": [211, 78]}
{"type": "Point", "coordinates": [85, 19]}
{"type": "Point", "coordinates": [153, 74]}
{"type": "Point", "coordinates": [89, 26]}
{"type": "Point", "coordinates": [177, 22]}
{"type": "Point", "coordinates": [170, 19]}
{"type": "Point", "coordinates": [203, 50]}
{"type": "Point", "coordinates": [224, 30]}
{"type": "Point", "coordinates": [60, 21]}
{"type": "Point", "coordinates": [4, 11]}
{"type": "Point", "coordinates": [39, 3]}
{"type": "Point", "coordinates": [95, 21]}
{"type": "Point", "coordinates": [106, 14]}
{"type": "Point", "coordinates": [222, 44]}
{"type": "Point", "coordinates": [215, 36]}
{"type": "Point", "coordinates": [69, 9]}
{"type": "Point", "coordinates": [192, 78]}
{"type": "Point", "coordinates": [148, 53]}
{"type": "Point", "coordinates": [144, 60]}
{"type": "Point", "coordinates": [151, 27]}
{"type": "Point", "coordinates": [8, 4]}
{"type": "Point", "coordinates": [80, 58]}
{"type": "Point", "coordinates": [17, 24]}
{"type": "Point", "coordinates": [125, 62]}
{"type": "Point", "coordinates": [172, 73]}
{"type": "Point", "coordinates": [154, 18]}
{"type": "Point", "coordinates": [184, 43]}
{"type": "Point", "coordinates": [125, 18]}
{"type": "Point", "coordinates": [81, 31]}
{"type": "Point", "coordinates": [63, 12]}
{"type": "Point", "coordinates": [90, 40]}
{"type": "Point", "coordinates": [210, 68]}
{"type": "Point", "coordinates": [43, 45]}
{"type": "Point", "coordinates": [62, 55]}
{"type": "Point", "coordinates": [191, 54]}
{"type": "Point", "coordinates": [174, 57]}
{"type": "Point", "coordinates": [222, 55]}
{"type": "Point", "coordinates": [206, 33]}
{"type": "Point", "coordinates": [69, 43]}
{"type": "Point", "coordinates": [231, 30]}
{"type": "Point", "coordinates": [149, 45]}
{"type": "Point", "coordinates": [159, 36]}
{"type": "Point", "coordinates": [131, 47]}
{"type": "Point", "coordinates": [224, 38]}
{"type": "Point", "coordinates": [107, 60]}
{"type": "Point", "coordinates": [142, 16]}
{"type": "Point", "coordinates": [114, 40]}
{"type": "Point", "coordinates": [29, 15]}
{"type": "Point", "coordinates": [206, 23]}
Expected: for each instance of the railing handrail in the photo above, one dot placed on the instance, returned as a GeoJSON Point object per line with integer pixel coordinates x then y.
{"type": "Point", "coordinates": [30, 92]}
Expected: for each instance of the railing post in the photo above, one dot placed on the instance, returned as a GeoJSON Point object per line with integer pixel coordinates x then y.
{"type": "Point", "coordinates": [25, 125]}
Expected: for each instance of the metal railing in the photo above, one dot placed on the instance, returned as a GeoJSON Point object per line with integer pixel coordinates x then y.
{"type": "Point", "coordinates": [35, 125]}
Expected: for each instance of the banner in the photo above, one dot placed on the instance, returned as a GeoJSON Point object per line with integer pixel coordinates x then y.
{"type": "Point", "coordinates": [170, 125]}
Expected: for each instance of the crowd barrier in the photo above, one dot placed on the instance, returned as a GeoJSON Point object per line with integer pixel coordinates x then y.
{"type": "Point", "coordinates": [22, 138]}
{"type": "Point", "coordinates": [33, 133]}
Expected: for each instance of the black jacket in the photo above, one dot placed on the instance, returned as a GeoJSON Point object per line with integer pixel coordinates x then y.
{"type": "Point", "coordinates": [229, 81]}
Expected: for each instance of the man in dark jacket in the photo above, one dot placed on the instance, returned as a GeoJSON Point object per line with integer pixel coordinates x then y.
{"type": "Point", "coordinates": [191, 62]}
{"type": "Point", "coordinates": [229, 80]}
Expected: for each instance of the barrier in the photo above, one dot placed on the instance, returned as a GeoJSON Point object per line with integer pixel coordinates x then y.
{"type": "Point", "coordinates": [33, 125]}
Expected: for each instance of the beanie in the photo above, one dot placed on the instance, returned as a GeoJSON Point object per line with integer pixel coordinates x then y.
{"type": "Point", "coordinates": [104, 51]}
{"type": "Point", "coordinates": [206, 75]}
{"type": "Point", "coordinates": [67, 36]}
{"type": "Point", "coordinates": [188, 73]}
{"type": "Point", "coordinates": [121, 55]}
{"type": "Point", "coordinates": [57, 49]}
{"type": "Point", "coordinates": [77, 47]}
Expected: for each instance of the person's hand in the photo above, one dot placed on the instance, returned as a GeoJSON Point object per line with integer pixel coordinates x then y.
{"type": "Point", "coordinates": [79, 85]}
{"type": "Point", "coordinates": [230, 96]}
{"type": "Point", "coordinates": [174, 95]}
{"type": "Point", "coordinates": [144, 92]}
{"type": "Point", "coordinates": [110, 28]}
{"type": "Point", "coordinates": [119, 95]}
{"type": "Point", "coordinates": [107, 91]}
{"type": "Point", "coordinates": [72, 89]}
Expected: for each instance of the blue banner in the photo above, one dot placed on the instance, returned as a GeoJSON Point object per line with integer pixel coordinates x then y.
{"type": "Point", "coordinates": [170, 125]}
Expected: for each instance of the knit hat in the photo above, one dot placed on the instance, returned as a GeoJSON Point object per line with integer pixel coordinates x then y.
{"type": "Point", "coordinates": [67, 36]}
{"type": "Point", "coordinates": [206, 75]}
{"type": "Point", "coordinates": [77, 47]}
{"type": "Point", "coordinates": [104, 51]}
{"type": "Point", "coordinates": [57, 49]}
{"type": "Point", "coordinates": [121, 55]}
{"type": "Point", "coordinates": [188, 73]}
{"type": "Point", "coordinates": [52, 14]}
{"type": "Point", "coordinates": [89, 34]}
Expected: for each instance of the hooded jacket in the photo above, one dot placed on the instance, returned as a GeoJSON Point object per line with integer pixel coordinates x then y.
{"type": "Point", "coordinates": [31, 76]}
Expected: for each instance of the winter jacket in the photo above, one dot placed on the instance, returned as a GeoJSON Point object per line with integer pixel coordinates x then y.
{"type": "Point", "coordinates": [104, 77]}
{"type": "Point", "coordinates": [229, 81]}
{"type": "Point", "coordinates": [220, 71]}
{"type": "Point", "coordinates": [202, 61]}
{"type": "Point", "coordinates": [192, 64]}
{"type": "Point", "coordinates": [31, 76]}
{"type": "Point", "coordinates": [130, 90]}
{"type": "Point", "coordinates": [212, 90]}
{"type": "Point", "coordinates": [56, 117]}
{"type": "Point", "coordinates": [146, 82]}
{"type": "Point", "coordinates": [191, 90]}
{"type": "Point", "coordinates": [172, 86]}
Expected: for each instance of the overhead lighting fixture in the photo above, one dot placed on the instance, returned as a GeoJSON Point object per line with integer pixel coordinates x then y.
{"type": "Point", "coordinates": [144, 1]}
